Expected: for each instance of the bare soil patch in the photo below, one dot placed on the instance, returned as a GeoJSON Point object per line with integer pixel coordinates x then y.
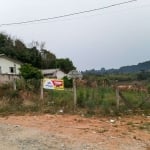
{"type": "Point", "coordinates": [72, 132]}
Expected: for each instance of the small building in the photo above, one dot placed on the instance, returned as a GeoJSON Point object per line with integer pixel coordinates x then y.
{"type": "Point", "coordinates": [53, 73]}
{"type": "Point", "coordinates": [9, 68]}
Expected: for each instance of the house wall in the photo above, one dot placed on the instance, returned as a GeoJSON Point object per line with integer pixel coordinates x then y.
{"type": "Point", "coordinates": [8, 78]}
{"type": "Point", "coordinates": [60, 74]}
{"type": "Point", "coordinates": [6, 64]}
{"type": "Point", "coordinates": [53, 73]}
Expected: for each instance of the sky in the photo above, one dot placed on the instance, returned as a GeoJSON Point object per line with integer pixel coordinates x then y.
{"type": "Point", "coordinates": [109, 38]}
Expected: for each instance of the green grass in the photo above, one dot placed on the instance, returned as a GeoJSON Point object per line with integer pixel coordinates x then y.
{"type": "Point", "coordinates": [94, 101]}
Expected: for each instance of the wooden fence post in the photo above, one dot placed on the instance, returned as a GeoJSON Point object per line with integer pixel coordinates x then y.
{"type": "Point", "coordinates": [41, 94]}
{"type": "Point", "coordinates": [75, 93]}
{"type": "Point", "coordinates": [14, 84]}
{"type": "Point", "coordinates": [117, 98]}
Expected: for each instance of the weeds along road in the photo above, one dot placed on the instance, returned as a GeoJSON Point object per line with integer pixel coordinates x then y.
{"type": "Point", "coordinates": [67, 132]}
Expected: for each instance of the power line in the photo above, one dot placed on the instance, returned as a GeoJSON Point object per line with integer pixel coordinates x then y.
{"type": "Point", "coordinates": [67, 15]}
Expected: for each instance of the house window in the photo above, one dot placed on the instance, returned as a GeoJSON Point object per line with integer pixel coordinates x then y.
{"type": "Point", "coordinates": [12, 69]}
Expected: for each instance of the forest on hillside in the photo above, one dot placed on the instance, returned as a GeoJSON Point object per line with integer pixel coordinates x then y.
{"type": "Point", "coordinates": [36, 54]}
{"type": "Point", "coordinates": [140, 67]}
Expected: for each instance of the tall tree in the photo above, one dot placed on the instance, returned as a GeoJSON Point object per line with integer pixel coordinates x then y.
{"type": "Point", "coordinates": [36, 55]}
{"type": "Point", "coordinates": [48, 59]}
{"type": "Point", "coordinates": [65, 65]}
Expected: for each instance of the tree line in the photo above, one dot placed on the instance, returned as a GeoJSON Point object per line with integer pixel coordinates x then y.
{"type": "Point", "coordinates": [36, 54]}
{"type": "Point", "coordinates": [140, 67]}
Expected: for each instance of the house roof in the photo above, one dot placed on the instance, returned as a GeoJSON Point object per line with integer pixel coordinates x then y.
{"type": "Point", "coordinates": [50, 71]}
{"type": "Point", "coordinates": [2, 55]}
{"type": "Point", "coordinates": [10, 59]}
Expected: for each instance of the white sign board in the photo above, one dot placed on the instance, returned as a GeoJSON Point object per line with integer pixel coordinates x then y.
{"type": "Point", "coordinates": [74, 74]}
{"type": "Point", "coordinates": [53, 84]}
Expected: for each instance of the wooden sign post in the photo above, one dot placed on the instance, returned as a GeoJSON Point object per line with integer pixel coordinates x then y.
{"type": "Point", "coordinates": [74, 74]}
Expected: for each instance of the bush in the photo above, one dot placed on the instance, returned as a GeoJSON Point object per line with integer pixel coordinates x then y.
{"type": "Point", "coordinates": [67, 82]}
{"type": "Point", "coordinates": [27, 71]}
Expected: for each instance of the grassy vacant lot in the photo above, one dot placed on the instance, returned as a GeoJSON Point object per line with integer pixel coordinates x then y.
{"type": "Point", "coordinates": [98, 100]}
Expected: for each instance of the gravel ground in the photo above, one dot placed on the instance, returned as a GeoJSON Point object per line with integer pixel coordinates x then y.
{"type": "Point", "coordinates": [15, 137]}
{"type": "Point", "coordinates": [31, 137]}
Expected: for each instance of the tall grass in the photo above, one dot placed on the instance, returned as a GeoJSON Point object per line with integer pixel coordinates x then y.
{"type": "Point", "coordinates": [96, 100]}
{"type": "Point", "coordinates": [92, 101]}
{"type": "Point", "coordinates": [54, 101]}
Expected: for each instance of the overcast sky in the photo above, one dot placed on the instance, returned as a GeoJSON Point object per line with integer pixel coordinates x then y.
{"type": "Point", "coordinates": [108, 38]}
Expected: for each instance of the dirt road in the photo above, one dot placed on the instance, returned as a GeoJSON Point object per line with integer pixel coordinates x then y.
{"type": "Point", "coordinates": [67, 132]}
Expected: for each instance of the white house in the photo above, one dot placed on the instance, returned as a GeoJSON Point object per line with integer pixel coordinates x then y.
{"type": "Point", "coordinates": [53, 73]}
{"type": "Point", "coordinates": [9, 69]}
{"type": "Point", "coordinates": [9, 65]}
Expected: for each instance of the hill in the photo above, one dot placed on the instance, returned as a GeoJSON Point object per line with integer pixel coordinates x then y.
{"type": "Point", "coordinates": [143, 66]}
